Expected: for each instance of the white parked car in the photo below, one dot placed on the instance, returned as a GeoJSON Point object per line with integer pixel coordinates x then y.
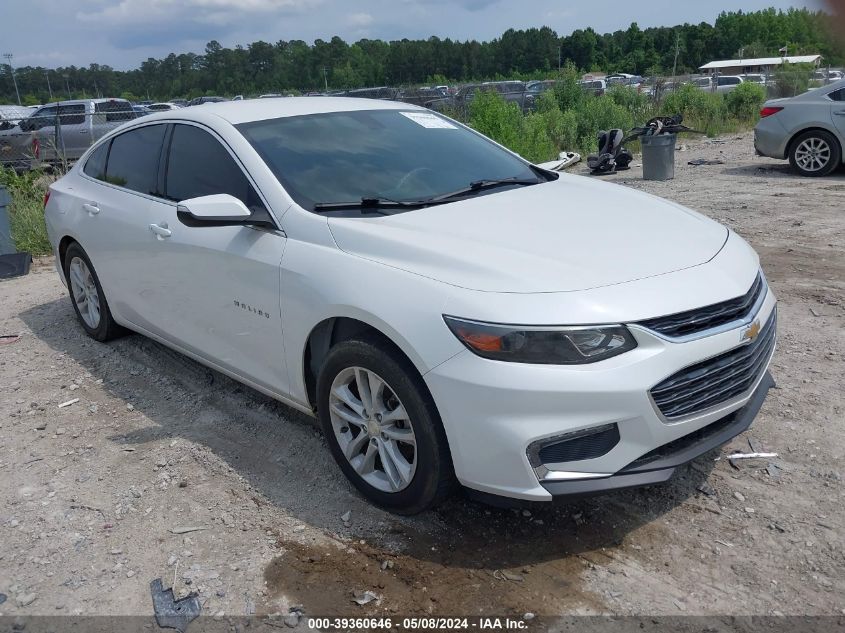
{"type": "Point", "coordinates": [453, 314]}
{"type": "Point", "coordinates": [162, 107]}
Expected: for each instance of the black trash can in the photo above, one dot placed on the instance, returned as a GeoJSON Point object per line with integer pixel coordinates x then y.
{"type": "Point", "coordinates": [658, 156]}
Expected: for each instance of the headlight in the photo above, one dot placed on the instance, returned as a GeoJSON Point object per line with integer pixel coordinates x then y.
{"type": "Point", "coordinates": [542, 345]}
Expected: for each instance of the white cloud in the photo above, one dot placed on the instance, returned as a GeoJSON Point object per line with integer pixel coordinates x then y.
{"type": "Point", "coordinates": [360, 20]}
{"type": "Point", "coordinates": [213, 11]}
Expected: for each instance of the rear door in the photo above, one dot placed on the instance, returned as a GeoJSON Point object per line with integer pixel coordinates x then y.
{"type": "Point", "coordinates": [837, 113]}
{"type": "Point", "coordinates": [215, 290]}
{"type": "Point", "coordinates": [121, 179]}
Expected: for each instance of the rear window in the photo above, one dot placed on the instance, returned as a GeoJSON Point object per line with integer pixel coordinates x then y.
{"type": "Point", "coordinates": [838, 95]}
{"type": "Point", "coordinates": [72, 114]}
{"type": "Point", "coordinates": [133, 159]}
{"type": "Point", "coordinates": [95, 166]}
{"type": "Point", "coordinates": [115, 110]}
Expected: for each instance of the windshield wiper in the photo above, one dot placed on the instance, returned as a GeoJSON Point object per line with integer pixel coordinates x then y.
{"type": "Point", "coordinates": [369, 205]}
{"type": "Point", "coordinates": [479, 185]}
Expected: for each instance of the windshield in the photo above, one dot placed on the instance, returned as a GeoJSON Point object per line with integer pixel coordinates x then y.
{"type": "Point", "coordinates": [403, 156]}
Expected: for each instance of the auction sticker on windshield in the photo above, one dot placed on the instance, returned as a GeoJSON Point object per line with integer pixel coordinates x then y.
{"type": "Point", "coordinates": [426, 119]}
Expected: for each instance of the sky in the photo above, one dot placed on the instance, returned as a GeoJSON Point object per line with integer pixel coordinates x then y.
{"type": "Point", "coordinates": [123, 33]}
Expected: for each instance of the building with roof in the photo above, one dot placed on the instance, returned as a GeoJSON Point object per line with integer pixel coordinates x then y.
{"type": "Point", "coordinates": [756, 65]}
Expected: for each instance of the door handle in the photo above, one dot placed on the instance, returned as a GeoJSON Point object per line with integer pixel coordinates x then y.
{"type": "Point", "coordinates": [840, 112]}
{"type": "Point", "coordinates": [160, 231]}
{"type": "Point", "coordinates": [91, 208]}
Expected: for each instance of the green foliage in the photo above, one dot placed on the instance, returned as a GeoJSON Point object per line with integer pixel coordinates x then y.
{"type": "Point", "coordinates": [702, 110]}
{"type": "Point", "coordinates": [262, 67]}
{"type": "Point", "coordinates": [494, 117]}
{"type": "Point", "coordinates": [745, 100]}
{"type": "Point", "coordinates": [26, 211]}
{"type": "Point", "coordinates": [793, 79]}
{"type": "Point", "coordinates": [569, 118]}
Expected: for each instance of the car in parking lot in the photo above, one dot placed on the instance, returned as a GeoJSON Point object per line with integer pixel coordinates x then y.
{"type": "Point", "coordinates": [451, 313]}
{"type": "Point", "coordinates": [511, 91]}
{"type": "Point", "coordinates": [809, 130]}
{"type": "Point", "coordinates": [596, 87]}
{"type": "Point", "coordinates": [162, 107]}
{"type": "Point", "coordinates": [201, 100]}
{"type": "Point", "coordinates": [61, 130]}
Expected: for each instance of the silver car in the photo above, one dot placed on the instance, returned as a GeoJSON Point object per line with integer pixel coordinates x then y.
{"type": "Point", "coordinates": [808, 129]}
{"type": "Point", "coordinates": [61, 130]}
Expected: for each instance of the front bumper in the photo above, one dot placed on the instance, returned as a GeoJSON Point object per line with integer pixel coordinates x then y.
{"type": "Point", "coordinates": [494, 413]}
{"type": "Point", "coordinates": [659, 465]}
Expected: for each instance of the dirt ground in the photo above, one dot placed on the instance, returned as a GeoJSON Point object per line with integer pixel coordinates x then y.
{"type": "Point", "coordinates": [97, 497]}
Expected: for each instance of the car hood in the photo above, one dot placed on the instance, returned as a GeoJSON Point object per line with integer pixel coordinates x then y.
{"type": "Point", "coordinates": [571, 234]}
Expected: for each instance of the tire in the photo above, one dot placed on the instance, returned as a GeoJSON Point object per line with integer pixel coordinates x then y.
{"type": "Point", "coordinates": [417, 476]}
{"type": "Point", "coordinates": [85, 289]}
{"type": "Point", "coordinates": [815, 153]}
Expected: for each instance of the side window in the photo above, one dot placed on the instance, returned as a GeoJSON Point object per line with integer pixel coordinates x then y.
{"type": "Point", "coordinates": [72, 114]}
{"type": "Point", "coordinates": [838, 95]}
{"type": "Point", "coordinates": [133, 159]}
{"type": "Point", "coordinates": [199, 165]}
{"type": "Point", "coordinates": [95, 166]}
{"type": "Point", "coordinates": [41, 118]}
{"type": "Point", "coordinates": [115, 110]}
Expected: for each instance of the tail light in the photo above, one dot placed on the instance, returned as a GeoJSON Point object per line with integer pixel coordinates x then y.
{"type": "Point", "coordinates": [46, 198]}
{"type": "Point", "coordinates": [36, 148]}
{"type": "Point", "coordinates": [769, 111]}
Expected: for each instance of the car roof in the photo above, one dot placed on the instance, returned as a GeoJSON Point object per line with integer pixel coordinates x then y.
{"type": "Point", "coordinates": [78, 101]}
{"type": "Point", "coordinates": [236, 112]}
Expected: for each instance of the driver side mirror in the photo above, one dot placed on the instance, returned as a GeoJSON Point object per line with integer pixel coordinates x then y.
{"type": "Point", "coordinates": [220, 209]}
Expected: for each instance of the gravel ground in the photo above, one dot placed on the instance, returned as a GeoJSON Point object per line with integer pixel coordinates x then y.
{"type": "Point", "coordinates": [162, 468]}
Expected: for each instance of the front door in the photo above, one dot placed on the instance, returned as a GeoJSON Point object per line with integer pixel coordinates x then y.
{"type": "Point", "coordinates": [215, 290]}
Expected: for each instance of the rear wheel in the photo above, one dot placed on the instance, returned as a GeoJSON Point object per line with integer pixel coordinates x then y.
{"type": "Point", "coordinates": [86, 294]}
{"type": "Point", "coordinates": [382, 427]}
{"type": "Point", "coordinates": [815, 153]}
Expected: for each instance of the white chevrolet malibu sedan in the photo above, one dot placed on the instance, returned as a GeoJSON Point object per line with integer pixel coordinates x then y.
{"type": "Point", "coordinates": [452, 314]}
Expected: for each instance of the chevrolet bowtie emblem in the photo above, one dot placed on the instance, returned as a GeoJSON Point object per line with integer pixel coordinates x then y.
{"type": "Point", "coordinates": [751, 332]}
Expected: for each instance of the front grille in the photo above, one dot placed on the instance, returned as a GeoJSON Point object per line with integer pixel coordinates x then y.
{"type": "Point", "coordinates": [582, 445]}
{"type": "Point", "coordinates": [708, 317]}
{"type": "Point", "coordinates": [715, 380]}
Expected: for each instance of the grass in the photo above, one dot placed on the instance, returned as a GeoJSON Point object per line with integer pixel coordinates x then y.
{"type": "Point", "coordinates": [26, 211]}
{"type": "Point", "coordinates": [569, 119]}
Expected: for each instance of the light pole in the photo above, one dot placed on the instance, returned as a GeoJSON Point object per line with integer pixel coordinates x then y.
{"type": "Point", "coordinates": [326, 78]}
{"type": "Point", "coordinates": [9, 57]}
{"type": "Point", "coordinates": [67, 86]}
{"type": "Point", "coordinates": [49, 87]}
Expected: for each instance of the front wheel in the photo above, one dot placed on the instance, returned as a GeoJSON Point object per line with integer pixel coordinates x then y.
{"type": "Point", "coordinates": [382, 426]}
{"type": "Point", "coordinates": [815, 153]}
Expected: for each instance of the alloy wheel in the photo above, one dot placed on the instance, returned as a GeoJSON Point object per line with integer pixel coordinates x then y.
{"type": "Point", "coordinates": [373, 429]}
{"type": "Point", "coordinates": [84, 290]}
{"type": "Point", "coordinates": [813, 154]}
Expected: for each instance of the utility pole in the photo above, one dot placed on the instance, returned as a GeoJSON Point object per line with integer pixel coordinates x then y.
{"type": "Point", "coordinates": [49, 88]}
{"type": "Point", "coordinates": [559, 57]}
{"type": "Point", "coordinates": [9, 57]}
{"type": "Point", "coordinates": [326, 78]}
{"type": "Point", "coordinates": [67, 85]}
{"type": "Point", "coordinates": [677, 50]}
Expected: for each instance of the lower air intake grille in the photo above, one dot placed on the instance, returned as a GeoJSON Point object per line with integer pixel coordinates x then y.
{"type": "Point", "coordinates": [716, 380]}
{"type": "Point", "coordinates": [594, 443]}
